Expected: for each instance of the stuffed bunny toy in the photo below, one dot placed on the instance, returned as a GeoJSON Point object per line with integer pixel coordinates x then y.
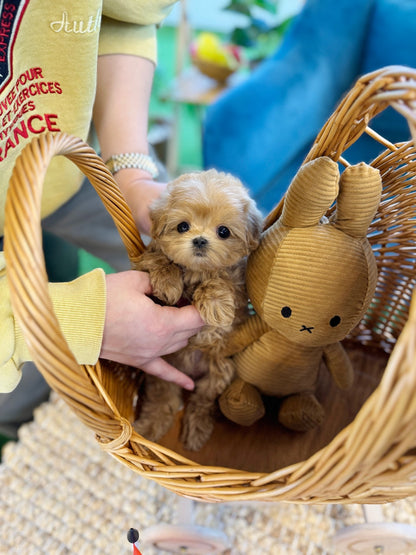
{"type": "Point", "coordinates": [310, 281]}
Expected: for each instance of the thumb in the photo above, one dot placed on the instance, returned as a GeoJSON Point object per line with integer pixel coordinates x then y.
{"type": "Point", "coordinates": [186, 318]}
{"type": "Point", "coordinates": [142, 282]}
{"type": "Point", "coordinates": [160, 368]}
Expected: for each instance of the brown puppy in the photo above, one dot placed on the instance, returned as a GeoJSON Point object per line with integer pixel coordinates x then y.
{"type": "Point", "coordinates": [203, 227]}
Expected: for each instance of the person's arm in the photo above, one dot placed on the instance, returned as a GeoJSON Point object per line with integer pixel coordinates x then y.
{"type": "Point", "coordinates": [121, 121]}
{"type": "Point", "coordinates": [137, 331]}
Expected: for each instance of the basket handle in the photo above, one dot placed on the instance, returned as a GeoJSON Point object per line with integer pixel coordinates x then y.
{"type": "Point", "coordinates": [393, 86]}
{"type": "Point", "coordinates": [26, 272]}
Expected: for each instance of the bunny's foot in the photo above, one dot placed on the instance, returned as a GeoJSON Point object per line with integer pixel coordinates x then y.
{"type": "Point", "coordinates": [242, 403]}
{"type": "Point", "coordinates": [301, 412]}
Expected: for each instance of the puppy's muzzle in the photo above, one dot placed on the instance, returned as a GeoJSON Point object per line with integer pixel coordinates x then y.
{"type": "Point", "coordinates": [200, 245]}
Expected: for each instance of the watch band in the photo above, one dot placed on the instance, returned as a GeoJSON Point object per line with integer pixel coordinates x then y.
{"type": "Point", "coordinates": [138, 160]}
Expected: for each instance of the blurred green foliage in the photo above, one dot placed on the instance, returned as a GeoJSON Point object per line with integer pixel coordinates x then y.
{"type": "Point", "coordinates": [263, 30]}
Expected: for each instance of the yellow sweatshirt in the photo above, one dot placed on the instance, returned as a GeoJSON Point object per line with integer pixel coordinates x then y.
{"type": "Point", "coordinates": [48, 65]}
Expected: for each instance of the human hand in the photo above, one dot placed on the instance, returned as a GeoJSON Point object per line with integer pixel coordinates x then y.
{"type": "Point", "coordinates": [138, 332]}
{"type": "Point", "coordinates": [140, 191]}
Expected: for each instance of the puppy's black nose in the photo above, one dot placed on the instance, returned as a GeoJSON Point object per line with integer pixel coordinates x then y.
{"type": "Point", "coordinates": [200, 242]}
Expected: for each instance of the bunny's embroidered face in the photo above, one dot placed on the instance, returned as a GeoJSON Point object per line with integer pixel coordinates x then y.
{"type": "Point", "coordinates": [319, 293]}
{"type": "Point", "coordinates": [317, 277]}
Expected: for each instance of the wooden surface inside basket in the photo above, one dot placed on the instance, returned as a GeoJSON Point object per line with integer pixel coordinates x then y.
{"type": "Point", "coordinates": [266, 445]}
{"type": "Point", "coordinates": [366, 450]}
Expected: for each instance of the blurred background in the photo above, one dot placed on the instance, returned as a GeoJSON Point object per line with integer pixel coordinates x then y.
{"type": "Point", "coordinates": [255, 27]}
{"type": "Point", "coordinates": [246, 85]}
{"type": "Point", "coordinates": [183, 89]}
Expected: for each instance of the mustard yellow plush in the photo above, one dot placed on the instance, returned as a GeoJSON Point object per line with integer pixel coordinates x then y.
{"type": "Point", "coordinates": [310, 282]}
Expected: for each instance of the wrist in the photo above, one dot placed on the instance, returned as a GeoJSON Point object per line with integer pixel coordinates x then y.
{"type": "Point", "coordinates": [132, 160]}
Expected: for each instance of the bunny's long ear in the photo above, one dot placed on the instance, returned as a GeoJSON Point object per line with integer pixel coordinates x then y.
{"type": "Point", "coordinates": [311, 193]}
{"type": "Point", "coordinates": [358, 200]}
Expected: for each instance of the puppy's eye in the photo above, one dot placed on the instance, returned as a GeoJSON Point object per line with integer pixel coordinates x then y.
{"type": "Point", "coordinates": [183, 227]}
{"type": "Point", "coordinates": [286, 312]}
{"type": "Point", "coordinates": [223, 232]}
{"type": "Point", "coordinates": [334, 321]}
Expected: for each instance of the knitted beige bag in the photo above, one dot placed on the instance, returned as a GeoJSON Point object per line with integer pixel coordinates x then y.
{"type": "Point", "coordinates": [366, 449]}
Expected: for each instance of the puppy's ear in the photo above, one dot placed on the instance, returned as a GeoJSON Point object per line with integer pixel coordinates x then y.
{"type": "Point", "coordinates": [159, 215]}
{"type": "Point", "coordinates": [254, 225]}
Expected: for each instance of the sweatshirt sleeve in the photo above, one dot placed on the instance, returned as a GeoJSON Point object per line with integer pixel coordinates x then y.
{"type": "Point", "coordinates": [129, 27]}
{"type": "Point", "coordinates": [80, 308]}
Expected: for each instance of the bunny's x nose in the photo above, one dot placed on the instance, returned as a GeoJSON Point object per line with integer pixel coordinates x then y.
{"type": "Point", "coordinates": [305, 328]}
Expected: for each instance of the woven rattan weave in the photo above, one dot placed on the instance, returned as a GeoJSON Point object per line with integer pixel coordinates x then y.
{"type": "Point", "coordinates": [366, 451]}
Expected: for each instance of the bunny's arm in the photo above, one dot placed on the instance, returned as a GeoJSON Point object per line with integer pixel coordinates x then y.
{"type": "Point", "coordinates": [245, 334]}
{"type": "Point", "coordinates": [339, 365]}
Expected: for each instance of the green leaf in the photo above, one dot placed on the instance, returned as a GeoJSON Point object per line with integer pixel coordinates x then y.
{"type": "Point", "coordinates": [267, 5]}
{"type": "Point", "coordinates": [282, 27]}
{"type": "Point", "coordinates": [239, 6]}
{"type": "Point", "coordinates": [242, 37]}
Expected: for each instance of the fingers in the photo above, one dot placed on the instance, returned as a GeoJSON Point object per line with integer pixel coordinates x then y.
{"type": "Point", "coordinates": [186, 318]}
{"type": "Point", "coordinates": [162, 369]}
{"type": "Point", "coordinates": [129, 281]}
{"type": "Point", "coordinates": [148, 331]}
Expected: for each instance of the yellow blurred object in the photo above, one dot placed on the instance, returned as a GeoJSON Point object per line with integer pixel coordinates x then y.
{"type": "Point", "coordinates": [209, 48]}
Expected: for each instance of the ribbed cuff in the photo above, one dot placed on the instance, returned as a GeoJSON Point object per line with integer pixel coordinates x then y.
{"type": "Point", "coordinates": [80, 308]}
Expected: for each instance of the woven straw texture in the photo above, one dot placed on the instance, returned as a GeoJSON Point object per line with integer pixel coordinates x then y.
{"type": "Point", "coordinates": [373, 458]}
{"type": "Point", "coordinates": [60, 493]}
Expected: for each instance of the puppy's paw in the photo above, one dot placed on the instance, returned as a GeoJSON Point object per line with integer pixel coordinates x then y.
{"type": "Point", "coordinates": [197, 426]}
{"type": "Point", "coordinates": [215, 304]}
{"type": "Point", "coordinates": [156, 418]}
{"type": "Point", "coordinates": [153, 429]}
{"type": "Point", "coordinates": [167, 284]}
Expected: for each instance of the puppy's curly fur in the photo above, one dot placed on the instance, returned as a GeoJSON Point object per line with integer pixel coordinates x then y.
{"type": "Point", "coordinates": [203, 227]}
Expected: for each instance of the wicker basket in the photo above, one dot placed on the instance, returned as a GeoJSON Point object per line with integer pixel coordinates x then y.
{"type": "Point", "coordinates": [366, 451]}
